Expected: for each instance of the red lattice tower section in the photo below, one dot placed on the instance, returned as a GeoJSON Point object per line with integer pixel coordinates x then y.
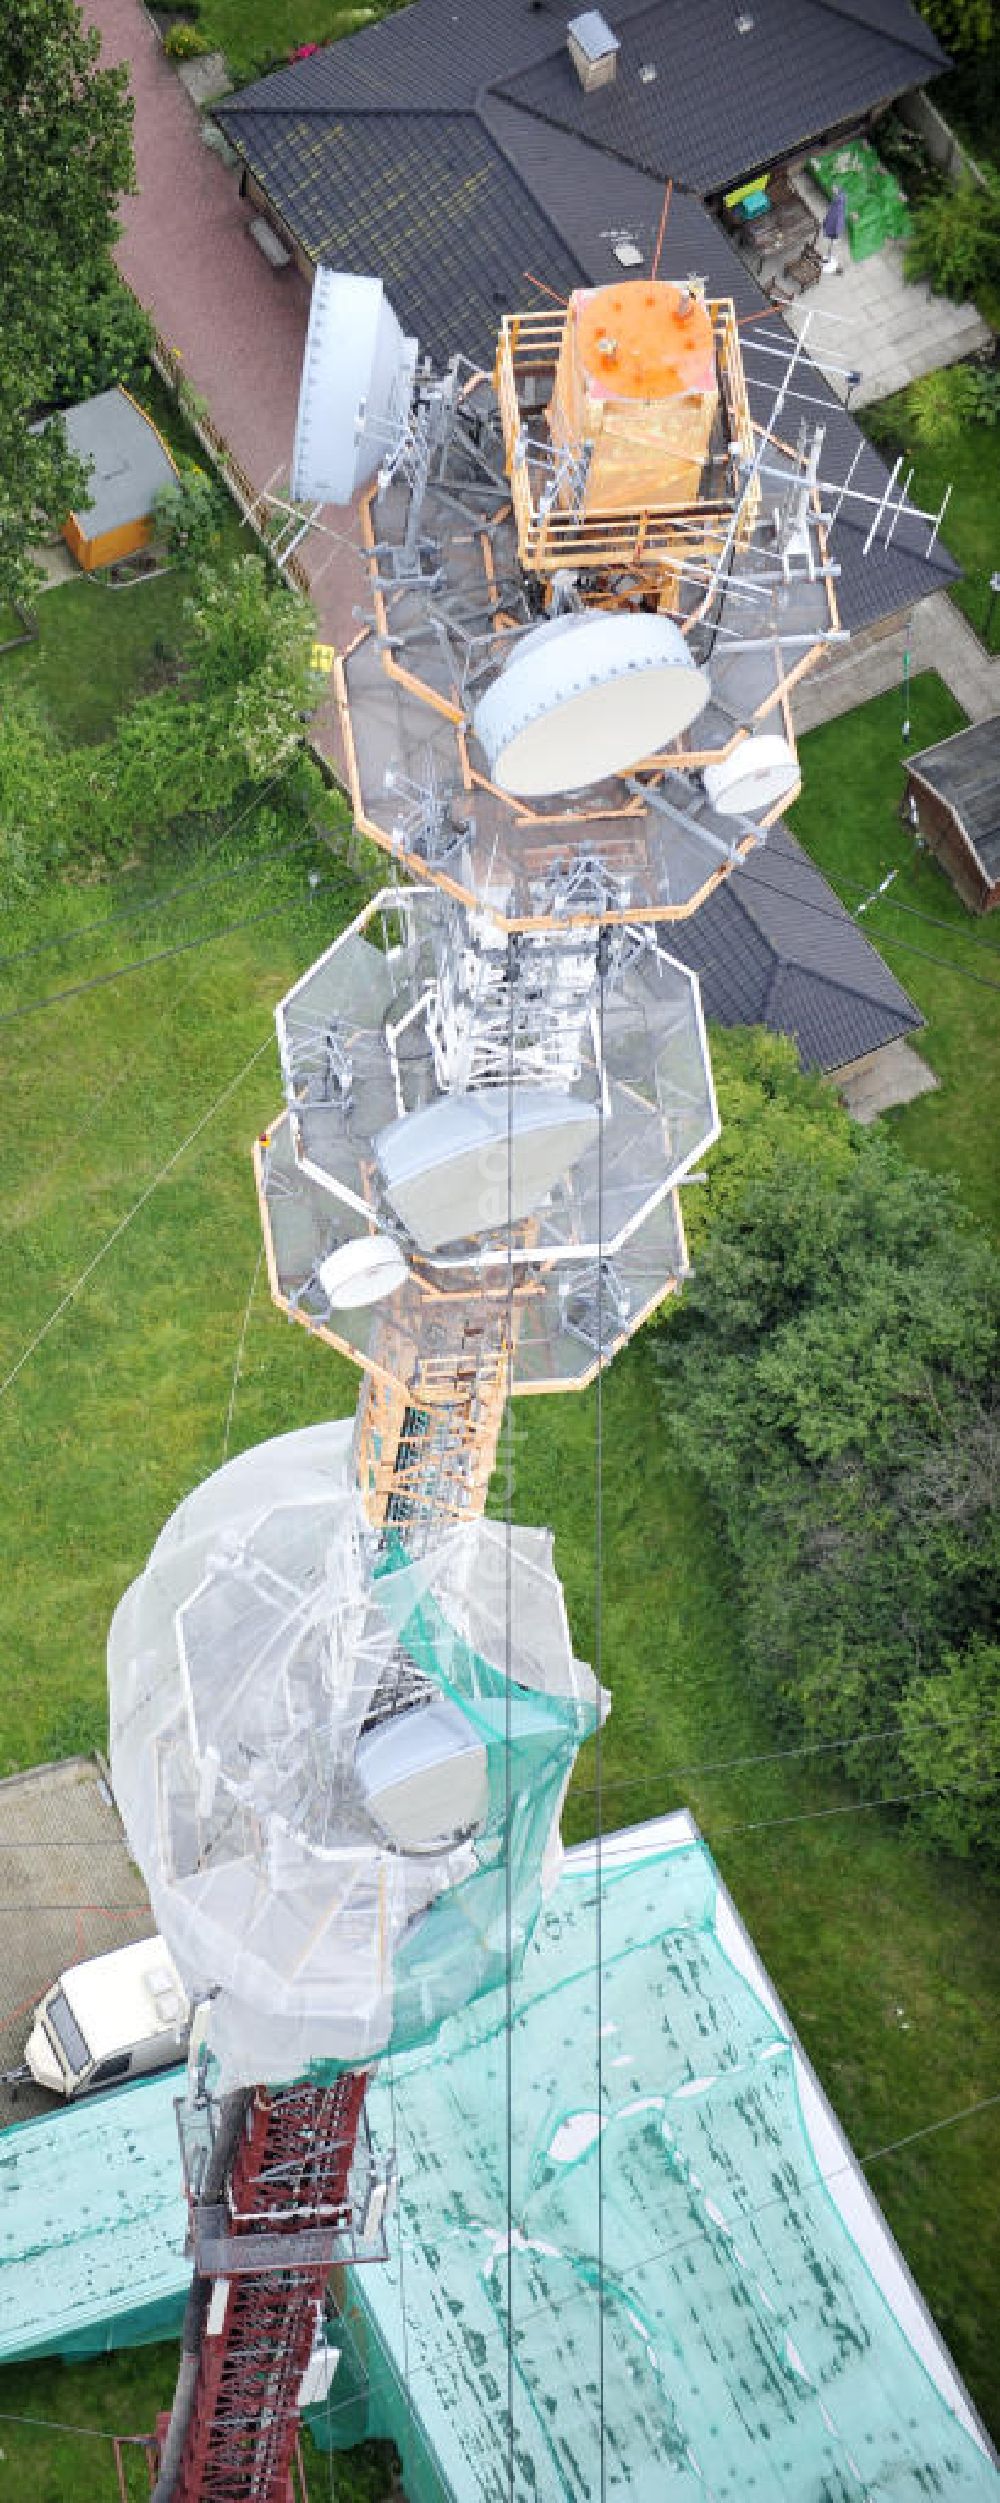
{"type": "Point", "coordinates": [289, 2182]}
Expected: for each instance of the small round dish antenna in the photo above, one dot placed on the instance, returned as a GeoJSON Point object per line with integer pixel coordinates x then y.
{"type": "Point", "coordinates": [354, 396]}
{"type": "Point", "coordinates": [585, 696]}
{"type": "Point", "coordinates": [363, 1272]}
{"type": "Point", "coordinates": [759, 774]}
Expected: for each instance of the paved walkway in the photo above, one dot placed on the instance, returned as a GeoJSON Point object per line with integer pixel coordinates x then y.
{"type": "Point", "coordinates": [68, 1890]}
{"type": "Point", "coordinates": [238, 326]}
{"type": "Point", "coordinates": [186, 252]}
{"type": "Point", "coordinates": [938, 637]}
{"type": "Point", "coordinates": [867, 320]}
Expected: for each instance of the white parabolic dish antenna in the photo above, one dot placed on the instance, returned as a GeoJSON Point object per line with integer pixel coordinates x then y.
{"type": "Point", "coordinates": [585, 696]}
{"type": "Point", "coordinates": [363, 1272]}
{"type": "Point", "coordinates": [759, 774]}
{"type": "Point", "coordinates": [354, 396]}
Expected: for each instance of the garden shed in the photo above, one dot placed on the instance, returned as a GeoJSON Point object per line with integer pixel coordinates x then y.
{"type": "Point", "coordinates": [129, 466]}
{"type": "Point", "coordinates": [953, 794]}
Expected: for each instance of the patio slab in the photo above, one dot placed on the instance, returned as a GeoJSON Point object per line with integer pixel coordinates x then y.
{"type": "Point", "coordinates": [868, 320]}
{"type": "Point", "coordinates": [895, 1075]}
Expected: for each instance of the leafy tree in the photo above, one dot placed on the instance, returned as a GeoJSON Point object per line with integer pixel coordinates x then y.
{"type": "Point", "coordinates": [65, 156]}
{"type": "Point", "coordinates": [960, 25]}
{"type": "Point", "coordinates": [828, 1374]}
{"type": "Point", "coordinates": [771, 1110]}
{"type": "Point", "coordinates": [251, 642]}
{"type": "Point", "coordinates": [110, 343]}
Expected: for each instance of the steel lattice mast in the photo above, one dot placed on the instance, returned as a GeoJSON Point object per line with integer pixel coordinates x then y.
{"type": "Point", "coordinates": [593, 583]}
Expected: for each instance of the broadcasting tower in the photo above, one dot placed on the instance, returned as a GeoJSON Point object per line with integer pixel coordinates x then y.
{"type": "Point", "coordinates": [345, 1704]}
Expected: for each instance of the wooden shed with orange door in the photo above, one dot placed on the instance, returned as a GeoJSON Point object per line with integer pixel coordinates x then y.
{"type": "Point", "coordinates": [129, 466]}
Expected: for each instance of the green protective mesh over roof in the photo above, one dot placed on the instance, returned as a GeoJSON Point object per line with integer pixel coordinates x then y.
{"type": "Point", "coordinates": [762, 2338]}
{"type": "Point", "coordinates": [751, 2343]}
{"type": "Point", "coordinates": [92, 2225]}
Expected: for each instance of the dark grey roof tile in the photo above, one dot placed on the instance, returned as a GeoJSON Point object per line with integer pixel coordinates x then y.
{"type": "Point", "coordinates": [775, 946]}
{"type": "Point", "coordinates": [451, 208]}
{"type": "Point", "coordinates": [720, 102]}
{"type": "Point", "coordinates": [427, 201]}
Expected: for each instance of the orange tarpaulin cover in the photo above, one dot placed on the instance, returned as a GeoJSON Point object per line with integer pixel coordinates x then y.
{"type": "Point", "coordinates": [636, 381]}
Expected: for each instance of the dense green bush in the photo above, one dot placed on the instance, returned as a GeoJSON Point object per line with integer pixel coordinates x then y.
{"type": "Point", "coordinates": [189, 514]}
{"type": "Point", "coordinates": [962, 26]}
{"type": "Point", "coordinates": [955, 239]}
{"type": "Point", "coordinates": [902, 151]}
{"type": "Point", "coordinates": [943, 404]}
{"type": "Point", "coordinates": [831, 1376]}
{"type": "Point", "coordinates": [950, 1744]}
{"type": "Point", "coordinates": [984, 393]}
{"type": "Point", "coordinates": [185, 42]}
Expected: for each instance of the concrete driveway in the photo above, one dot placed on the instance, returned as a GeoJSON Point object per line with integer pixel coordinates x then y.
{"type": "Point", "coordinates": [68, 1889]}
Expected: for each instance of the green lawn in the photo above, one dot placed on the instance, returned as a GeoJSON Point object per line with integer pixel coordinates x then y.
{"type": "Point", "coordinates": [258, 34]}
{"type": "Point", "coordinates": [123, 1405]}
{"type": "Point", "coordinates": [97, 649]}
{"type": "Point", "coordinates": [969, 463]}
{"type": "Point", "coordinates": [63, 2453]}
{"type": "Point", "coordinates": [848, 820]}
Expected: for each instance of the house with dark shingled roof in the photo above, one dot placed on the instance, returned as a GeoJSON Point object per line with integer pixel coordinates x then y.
{"type": "Point", "coordinates": [774, 946]}
{"type": "Point", "coordinates": [451, 148]}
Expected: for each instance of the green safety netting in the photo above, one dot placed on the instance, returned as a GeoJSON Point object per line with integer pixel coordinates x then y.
{"type": "Point", "coordinates": [92, 2225]}
{"type": "Point", "coordinates": [763, 2342]}
{"type": "Point", "coordinates": [761, 2337]}
{"type": "Point", "coordinates": [339, 1773]}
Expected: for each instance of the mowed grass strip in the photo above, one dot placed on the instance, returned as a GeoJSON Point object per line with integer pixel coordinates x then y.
{"type": "Point", "coordinates": [123, 1405]}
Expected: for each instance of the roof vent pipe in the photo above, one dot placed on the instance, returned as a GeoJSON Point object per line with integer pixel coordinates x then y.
{"type": "Point", "coordinates": [593, 49]}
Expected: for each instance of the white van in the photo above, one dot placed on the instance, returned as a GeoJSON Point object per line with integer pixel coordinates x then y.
{"type": "Point", "coordinates": [115, 2017]}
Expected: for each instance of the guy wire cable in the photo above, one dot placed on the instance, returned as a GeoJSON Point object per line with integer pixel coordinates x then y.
{"type": "Point", "coordinates": [512, 955]}
{"type": "Point", "coordinates": [602, 956]}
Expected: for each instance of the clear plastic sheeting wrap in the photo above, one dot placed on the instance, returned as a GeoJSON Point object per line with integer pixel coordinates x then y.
{"type": "Point", "coordinates": [340, 1770]}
